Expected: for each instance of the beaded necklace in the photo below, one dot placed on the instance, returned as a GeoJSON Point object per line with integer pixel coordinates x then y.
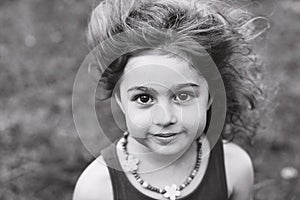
{"type": "Point", "coordinates": [171, 192]}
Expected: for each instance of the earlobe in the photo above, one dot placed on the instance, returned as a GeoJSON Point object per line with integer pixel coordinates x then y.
{"type": "Point", "coordinates": [94, 72]}
{"type": "Point", "coordinates": [101, 92]}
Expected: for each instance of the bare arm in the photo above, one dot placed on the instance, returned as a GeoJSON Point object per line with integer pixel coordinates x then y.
{"type": "Point", "coordinates": [94, 183]}
{"type": "Point", "coordinates": [239, 172]}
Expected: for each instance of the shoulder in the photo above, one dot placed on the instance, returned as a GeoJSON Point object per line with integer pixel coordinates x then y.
{"type": "Point", "coordinates": [235, 154]}
{"type": "Point", "coordinates": [239, 171]}
{"type": "Point", "coordinates": [94, 183]}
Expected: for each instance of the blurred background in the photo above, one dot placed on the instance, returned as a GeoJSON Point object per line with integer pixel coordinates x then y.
{"type": "Point", "coordinates": [42, 44]}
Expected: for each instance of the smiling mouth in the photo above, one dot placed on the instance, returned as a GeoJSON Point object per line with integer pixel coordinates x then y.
{"type": "Point", "coordinates": [165, 135]}
{"type": "Point", "coordinates": [165, 138]}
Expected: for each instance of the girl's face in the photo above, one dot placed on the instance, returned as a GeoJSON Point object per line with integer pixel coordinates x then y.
{"type": "Point", "coordinates": [164, 101]}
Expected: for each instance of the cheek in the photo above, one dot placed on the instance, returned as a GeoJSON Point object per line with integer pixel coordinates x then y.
{"type": "Point", "coordinates": [137, 120]}
{"type": "Point", "coordinates": [194, 118]}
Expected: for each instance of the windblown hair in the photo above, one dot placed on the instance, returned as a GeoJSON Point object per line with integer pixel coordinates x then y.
{"type": "Point", "coordinates": [224, 31]}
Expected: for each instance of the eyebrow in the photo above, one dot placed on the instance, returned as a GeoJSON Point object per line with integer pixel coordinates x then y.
{"type": "Point", "coordinates": [176, 87]}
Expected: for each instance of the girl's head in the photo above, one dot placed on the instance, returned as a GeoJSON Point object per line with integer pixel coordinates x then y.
{"type": "Point", "coordinates": [215, 25]}
{"type": "Point", "coordinates": [164, 100]}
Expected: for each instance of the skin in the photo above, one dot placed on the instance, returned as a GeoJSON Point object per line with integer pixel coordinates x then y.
{"type": "Point", "coordinates": [165, 96]}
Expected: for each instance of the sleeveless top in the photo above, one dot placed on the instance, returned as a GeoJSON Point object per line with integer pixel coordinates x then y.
{"type": "Point", "coordinates": [212, 187]}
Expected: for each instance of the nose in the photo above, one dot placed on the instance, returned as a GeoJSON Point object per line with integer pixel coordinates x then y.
{"type": "Point", "coordinates": [163, 114]}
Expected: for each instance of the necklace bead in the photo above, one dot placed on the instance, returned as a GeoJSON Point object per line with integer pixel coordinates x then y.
{"type": "Point", "coordinates": [170, 192]}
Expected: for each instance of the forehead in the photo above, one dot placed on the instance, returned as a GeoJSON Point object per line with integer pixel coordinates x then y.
{"type": "Point", "coordinates": [162, 69]}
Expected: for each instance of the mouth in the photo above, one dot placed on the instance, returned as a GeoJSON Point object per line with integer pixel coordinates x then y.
{"type": "Point", "coordinates": [165, 134]}
{"type": "Point", "coordinates": [165, 138]}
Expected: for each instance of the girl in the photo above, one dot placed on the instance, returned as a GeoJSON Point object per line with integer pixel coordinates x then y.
{"type": "Point", "coordinates": [165, 95]}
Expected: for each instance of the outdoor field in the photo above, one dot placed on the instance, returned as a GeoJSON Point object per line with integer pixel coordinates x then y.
{"type": "Point", "coordinates": [42, 45]}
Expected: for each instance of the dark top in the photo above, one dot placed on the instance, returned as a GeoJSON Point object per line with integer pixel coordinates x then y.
{"type": "Point", "coordinates": [212, 187]}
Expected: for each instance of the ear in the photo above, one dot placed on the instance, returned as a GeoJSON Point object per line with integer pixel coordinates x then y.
{"type": "Point", "coordinates": [118, 100]}
{"type": "Point", "coordinates": [209, 102]}
{"type": "Point", "coordinates": [94, 72]}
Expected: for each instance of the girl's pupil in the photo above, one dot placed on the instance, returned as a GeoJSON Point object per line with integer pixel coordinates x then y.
{"type": "Point", "coordinates": [144, 98]}
{"type": "Point", "coordinates": [183, 96]}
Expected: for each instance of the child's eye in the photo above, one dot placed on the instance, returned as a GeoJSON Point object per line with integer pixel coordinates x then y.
{"type": "Point", "coordinates": [182, 97]}
{"type": "Point", "coordinates": [143, 99]}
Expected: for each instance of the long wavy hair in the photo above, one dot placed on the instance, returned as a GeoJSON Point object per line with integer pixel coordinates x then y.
{"type": "Point", "coordinates": [223, 30]}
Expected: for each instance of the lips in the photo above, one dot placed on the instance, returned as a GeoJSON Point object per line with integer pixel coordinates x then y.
{"type": "Point", "coordinates": [165, 138]}
{"type": "Point", "coordinates": [165, 134]}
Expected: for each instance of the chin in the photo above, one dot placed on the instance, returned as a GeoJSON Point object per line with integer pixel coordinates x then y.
{"type": "Point", "coordinates": [176, 148]}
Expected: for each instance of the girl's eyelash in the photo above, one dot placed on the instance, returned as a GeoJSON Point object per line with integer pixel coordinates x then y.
{"type": "Point", "coordinates": [137, 99]}
{"type": "Point", "coordinates": [175, 96]}
{"type": "Point", "coordinates": [192, 94]}
{"type": "Point", "coordinates": [188, 92]}
{"type": "Point", "coordinates": [188, 96]}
